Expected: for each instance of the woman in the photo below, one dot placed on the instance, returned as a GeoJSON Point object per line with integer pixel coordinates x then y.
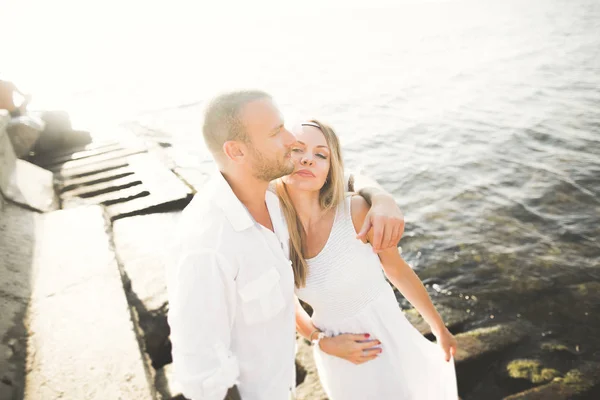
{"type": "Point", "coordinates": [340, 277]}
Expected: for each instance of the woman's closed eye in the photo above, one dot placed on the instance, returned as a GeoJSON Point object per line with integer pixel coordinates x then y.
{"type": "Point", "coordinates": [323, 156]}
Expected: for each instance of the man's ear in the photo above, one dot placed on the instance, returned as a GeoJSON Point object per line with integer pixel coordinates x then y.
{"type": "Point", "coordinates": [234, 150]}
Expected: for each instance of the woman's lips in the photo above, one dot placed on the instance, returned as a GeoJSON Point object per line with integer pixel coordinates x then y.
{"type": "Point", "coordinates": [305, 173]}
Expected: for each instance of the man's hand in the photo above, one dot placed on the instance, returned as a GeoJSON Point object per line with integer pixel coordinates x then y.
{"type": "Point", "coordinates": [354, 348]}
{"type": "Point", "coordinates": [387, 222]}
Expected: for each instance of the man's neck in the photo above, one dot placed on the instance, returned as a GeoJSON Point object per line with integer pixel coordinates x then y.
{"type": "Point", "coordinates": [251, 192]}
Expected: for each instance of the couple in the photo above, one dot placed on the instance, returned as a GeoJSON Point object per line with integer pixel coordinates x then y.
{"type": "Point", "coordinates": [247, 246]}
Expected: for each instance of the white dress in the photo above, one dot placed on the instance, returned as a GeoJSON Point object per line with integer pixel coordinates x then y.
{"type": "Point", "coordinates": [349, 294]}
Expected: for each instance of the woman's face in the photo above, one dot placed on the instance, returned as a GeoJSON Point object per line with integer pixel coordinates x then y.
{"type": "Point", "coordinates": [311, 158]}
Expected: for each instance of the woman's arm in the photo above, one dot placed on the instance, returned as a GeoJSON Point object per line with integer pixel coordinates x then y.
{"type": "Point", "coordinates": [354, 348]}
{"type": "Point", "coordinates": [402, 276]}
{"type": "Point", "coordinates": [304, 325]}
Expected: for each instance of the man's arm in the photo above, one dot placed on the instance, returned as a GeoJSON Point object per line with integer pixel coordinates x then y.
{"type": "Point", "coordinates": [201, 308]}
{"type": "Point", "coordinates": [385, 217]}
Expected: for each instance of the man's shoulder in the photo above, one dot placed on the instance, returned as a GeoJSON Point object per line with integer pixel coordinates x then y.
{"type": "Point", "coordinates": [202, 216]}
{"type": "Point", "coordinates": [203, 223]}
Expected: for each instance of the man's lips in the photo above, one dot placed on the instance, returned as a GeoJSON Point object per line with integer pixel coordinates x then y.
{"type": "Point", "coordinates": [306, 173]}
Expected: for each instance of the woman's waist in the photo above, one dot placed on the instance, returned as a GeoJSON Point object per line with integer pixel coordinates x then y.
{"type": "Point", "coordinates": [331, 313]}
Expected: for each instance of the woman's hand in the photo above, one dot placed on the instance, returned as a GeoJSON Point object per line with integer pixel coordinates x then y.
{"type": "Point", "coordinates": [354, 348]}
{"type": "Point", "coordinates": [448, 343]}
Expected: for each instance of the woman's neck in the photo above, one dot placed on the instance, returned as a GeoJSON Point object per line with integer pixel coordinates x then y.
{"type": "Point", "coordinates": [307, 205]}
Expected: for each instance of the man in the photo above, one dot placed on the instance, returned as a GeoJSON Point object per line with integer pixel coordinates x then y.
{"type": "Point", "coordinates": [7, 102]}
{"type": "Point", "coordinates": [231, 286]}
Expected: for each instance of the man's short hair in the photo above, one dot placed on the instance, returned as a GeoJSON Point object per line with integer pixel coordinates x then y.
{"type": "Point", "coordinates": [222, 120]}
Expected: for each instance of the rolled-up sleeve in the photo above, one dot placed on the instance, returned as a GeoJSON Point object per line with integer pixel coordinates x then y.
{"type": "Point", "coordinates": [201, 308]}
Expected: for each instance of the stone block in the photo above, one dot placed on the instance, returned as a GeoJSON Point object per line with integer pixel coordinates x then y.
{"type": "Point", "coordinates": [24, 182]}
{"type": "Point", "coordinates": [82, 343]}
{"type": "Point", "coordinates": [24, 132]}
{"type": "Point", "coordinates": [142, 243]}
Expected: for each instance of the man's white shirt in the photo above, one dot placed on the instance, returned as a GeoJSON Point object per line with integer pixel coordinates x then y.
{"type": "Point", "coordinates": [231, 299]}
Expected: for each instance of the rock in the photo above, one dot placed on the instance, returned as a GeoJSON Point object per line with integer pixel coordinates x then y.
{"type": "Point", "coordinates": [483, 341]}
{"type": "Point", "coordinates": [4, 119]}
{"type": "Point", "coordinates": [480, 348]}
{"type": "Point", "coordinates": [310, 388]}
{"type": "Point", "coordinates": [578, 383]}
{"type": "Point", "coordinates": [24, 182]}
{"type": "Point", "coordinates": [451, 317]}
{"type": "Point", "coordinates": [59, 134]}
{"type": "Point", "coordinates": [57, 121]}
{"type": "Point", "coordinates": [531, 370]}
{"type": "Point", "coordinates": [24, 132]}
{"type": "Point", "coordinates": [7, 392]}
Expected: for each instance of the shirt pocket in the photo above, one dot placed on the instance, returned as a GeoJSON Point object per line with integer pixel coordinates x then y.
{"type": "Point", "coordinates": [262, 298]}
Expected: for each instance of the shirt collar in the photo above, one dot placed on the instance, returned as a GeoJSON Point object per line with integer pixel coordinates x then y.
{"type": "Point", "coordinates": [235, 211]}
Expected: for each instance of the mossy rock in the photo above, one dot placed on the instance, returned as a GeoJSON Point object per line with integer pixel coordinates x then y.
{"type": "Point", "coordinates": [479, 342]}
{"type": "Point", "coordinates": [531, 370]}
{"type": "Point", "coordinates": [575, 384]}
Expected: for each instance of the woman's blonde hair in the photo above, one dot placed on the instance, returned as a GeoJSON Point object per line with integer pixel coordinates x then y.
{"type": "Point", "coordinates": [331, 195]}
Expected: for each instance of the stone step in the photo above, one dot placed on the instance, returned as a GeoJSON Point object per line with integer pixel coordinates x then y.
{"type": "Point", "coordinates": [89, 161]}
{"type": "Point", "coordinates": [577, 383]}
{"type": "Point", "coordinates": [118, 195]}
{"type": "Point", "coordinates": [82, 343]}
{"type": "Point", "coordinates": [107, 176]}
{"type": "Point", "coordinates": [167, 192]}
{"type": "Point", "coordinates": [48, 158]}
{"type": "Point", "coordinates": [89, 170]}
{"type": "Point", "coordinates": [77, 154]}
{"type": "Point", "coordinates": [104, 186]}
{"type": "Point", "coordinates": [132, 185]}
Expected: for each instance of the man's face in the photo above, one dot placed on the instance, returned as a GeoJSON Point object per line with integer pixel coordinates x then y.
{"type": "Point", "coordinates": [270, 143]}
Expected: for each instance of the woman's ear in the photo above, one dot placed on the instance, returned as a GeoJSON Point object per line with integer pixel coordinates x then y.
{"type": "Point", "coordinates": [234, 150]}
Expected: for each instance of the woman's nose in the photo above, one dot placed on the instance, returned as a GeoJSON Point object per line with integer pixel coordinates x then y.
{"type": "Point", "coordinates": [306, 161]}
